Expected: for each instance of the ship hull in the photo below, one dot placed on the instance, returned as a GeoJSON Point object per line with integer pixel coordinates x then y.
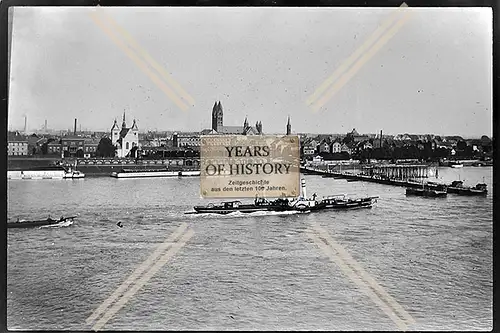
{"type": "Point", "coordinates": [425, 193]}
{"type": "Point", "coordinates": [153, 174]}
{"type": "Point", "coordinates": [466, 191]}
{"type": "Point", "coordinates": [36, 223]}
{"type": "Point", "coordinates": [223, 211]}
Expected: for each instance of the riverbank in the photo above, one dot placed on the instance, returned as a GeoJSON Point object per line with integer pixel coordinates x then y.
{"type": "Point", "coordinates": [101, 167]}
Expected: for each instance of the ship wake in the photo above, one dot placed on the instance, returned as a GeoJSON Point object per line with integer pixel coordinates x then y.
{"type": "Point", "coordinates": [58, 225]}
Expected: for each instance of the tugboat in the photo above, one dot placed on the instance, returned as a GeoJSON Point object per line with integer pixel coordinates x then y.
{"type": "Point", "coordinates": [38, 223]}
{"type": "Point", "coordinates": [458, 187]}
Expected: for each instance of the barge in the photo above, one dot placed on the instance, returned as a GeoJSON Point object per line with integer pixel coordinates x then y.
{"type": "Point", "coordinates": [147, 173]}
{"type": "Point", "coordinates": [259, 205]}
{"type": "Point", "coordinates": [457, 187]}
{"type": "Point", "coordinates": [48, 172]}
{"type": "Point", "coordinates": [434, 190]}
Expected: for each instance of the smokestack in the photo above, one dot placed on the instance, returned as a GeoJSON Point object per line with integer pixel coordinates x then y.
{"type": "Point", "coordinates": [380, 138]}
{"type": "Point", "coordinates": [75, 127]}
{"type": "Point", "coordinates": [25, 124]}
{"type": "Point", "coordinates": [304, 193]}
{"type": "Point", "coordinates": [45, 124]}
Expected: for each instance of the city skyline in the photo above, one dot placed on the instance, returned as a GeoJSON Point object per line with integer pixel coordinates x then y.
{"type": "Point", "coordinates": [433, 76]}
{"type": "Point", "coordinates": [55, 131]}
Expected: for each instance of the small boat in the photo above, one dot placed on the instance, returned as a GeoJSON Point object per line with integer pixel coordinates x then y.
{"type": "Point", "coordinates": [457, 187]}
{"type": "Point", "coordinates": [259, 205]}
{"type": "Point", "coordinates": [38, 223]}
{"type": "Point", "coordinates": [455, 164]}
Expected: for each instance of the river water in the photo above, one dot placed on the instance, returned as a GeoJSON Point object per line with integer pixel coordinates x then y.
{"type": "Point", "coordinates": [433, 256]}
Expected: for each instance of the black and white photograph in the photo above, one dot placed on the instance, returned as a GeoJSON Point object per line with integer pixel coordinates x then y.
{"type": "Point", "coordinates": [355, 190]}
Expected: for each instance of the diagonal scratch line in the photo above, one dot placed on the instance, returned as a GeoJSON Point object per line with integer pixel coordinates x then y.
{"type": "Point", "coordinates": [159, 83]}
{"type": "Point", "coordinates": [364, 59]}
{"type": "Point", "coordinates": [131, 279]}
{"type": "Point", "coordinates": [357, 280]}
{"type": "Point", "coordinates": [126, 297]}
{"type": "Point", "coordinates": [340, 256]}
{"type": "Point", "coordinates": [149, 59]}
{"type": "Point", "coordinates": [363, 274]}
{"type": "Point", "coordinates": [349, 61]}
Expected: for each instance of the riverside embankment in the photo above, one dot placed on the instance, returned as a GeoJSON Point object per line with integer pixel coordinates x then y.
{"type": "Point", "coordinates": [102, 167]}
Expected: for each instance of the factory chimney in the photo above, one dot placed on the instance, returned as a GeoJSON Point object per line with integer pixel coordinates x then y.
{"type": "Point", "coordinates": [25, 124]}
{"type": "Point", "coordinates": [75, 128]}
{"type": "Point", "coordinates": [45, 125]}
{"type": "Point", "coordinates": [380, 138]}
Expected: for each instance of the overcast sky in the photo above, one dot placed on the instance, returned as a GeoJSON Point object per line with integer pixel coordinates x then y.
{"type": "Point", "coordinates": [433, 76]}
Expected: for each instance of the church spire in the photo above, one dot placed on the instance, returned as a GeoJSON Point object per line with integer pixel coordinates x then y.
{"type": "Point", "coordinates": [124, 125]}
{"type": "Point", "coordinates": [214, 109]}
{"type": "Point", "coordinates": [288, 127]}
{"type": "Point", "coordinates": [115, 125]}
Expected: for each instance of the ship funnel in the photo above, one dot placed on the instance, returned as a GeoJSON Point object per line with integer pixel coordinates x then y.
{"type": "Point", "coordinates": [304, 193]}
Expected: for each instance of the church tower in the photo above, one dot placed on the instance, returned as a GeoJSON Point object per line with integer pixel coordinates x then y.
{"type": "Point", "coordinates": [288, 127]}
{"type": "Point", "coordinates": [135, 130]}
{"type": "Point", "coordinates": [217, 117]}
{"type": "Point", "coordinates": [124, 124]}
{"type": "Point", "coordinates": [115, 133]}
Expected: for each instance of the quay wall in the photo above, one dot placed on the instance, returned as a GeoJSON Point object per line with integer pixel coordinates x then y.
{"type": "Point", "coordinates": [19, 164]}
{"type": "Point", "coordinates": [103, 167]}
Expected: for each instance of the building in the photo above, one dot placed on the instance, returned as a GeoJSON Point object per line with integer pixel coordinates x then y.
{"type": "Point", "coordinates": [72, 146]}
{"type": "Point", "coordinates": [17, 145]}
{"type": "Point", "coordinates": [309, 148]}
{"type": "Point", "coordinates": [54, 148]}
{"type": "Point", "coordinates": [354, 136]}
{"type": "Point", "coordinates": [186, 140]}
{"type": "Point", "coordinates": [90, 147]}
{"type": "Point", "coordinates": [124, 138]}
{"type": "Point", "coordinates": [324, 146]}
{"type": "Point", "coordinates": [219, 128]}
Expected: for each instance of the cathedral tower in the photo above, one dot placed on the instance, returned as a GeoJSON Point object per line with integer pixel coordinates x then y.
{"type": "Point", "coordinates": [217, 117]}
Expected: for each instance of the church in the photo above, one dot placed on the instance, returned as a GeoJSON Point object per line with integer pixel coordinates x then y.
{"type": "Point", "coordinates": [219, 128]}
{"type": "Point", "coordinates": [124, 138]}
